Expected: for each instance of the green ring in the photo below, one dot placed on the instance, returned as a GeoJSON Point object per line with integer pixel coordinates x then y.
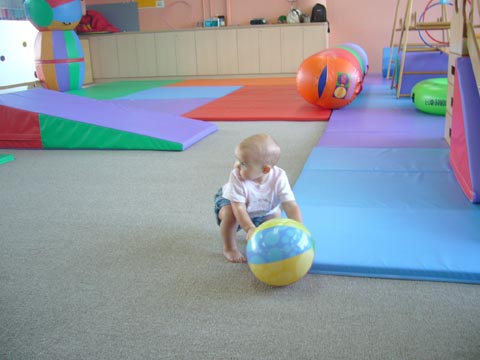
{"type": "Point", "coordinates": [430, 96]}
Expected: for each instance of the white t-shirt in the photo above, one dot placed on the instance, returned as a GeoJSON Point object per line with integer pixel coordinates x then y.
{"type": "Point", "coordinates": [260, 199]}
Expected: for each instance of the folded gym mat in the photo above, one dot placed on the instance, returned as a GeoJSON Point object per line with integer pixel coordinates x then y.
{"type": "Point", "coordinates": [393, 213]}
{"type": "Point", "coordinates": [41, 118]}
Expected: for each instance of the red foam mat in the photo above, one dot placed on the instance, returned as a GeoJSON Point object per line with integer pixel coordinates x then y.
{"type": "Point", "coordinates": [19, 129]}
{"type": "Point", "coordinates": [261, 103]}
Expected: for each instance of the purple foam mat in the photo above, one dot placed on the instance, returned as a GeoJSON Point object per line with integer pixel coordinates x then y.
{"type": "Point", "coordinates": [110, 114]}
{"type": "Point", "coordinates": [373, 120]}
{"type": "Point", "coordinates": [381, 139]}
{"type": "Point", "coordinates": [376, 118]}
{"type": "Point", "coordinates": [169, 106]}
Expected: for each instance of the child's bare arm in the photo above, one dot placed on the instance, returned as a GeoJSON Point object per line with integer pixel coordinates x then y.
{"type": "Point", "coordinates": [292, 210]}
{"type": "Point", "coordinates": [240, 212]}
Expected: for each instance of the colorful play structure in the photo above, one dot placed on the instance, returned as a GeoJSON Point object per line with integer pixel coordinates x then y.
{"type": "Point", "coordinates": [380, 192]}
{"type": "Point", "coordinates": [421, 70]}
{"type": "Point", "coordinates": [413, 62]}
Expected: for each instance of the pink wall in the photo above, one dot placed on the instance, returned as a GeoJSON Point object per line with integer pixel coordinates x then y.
{"type": "Point", "coordinates": [179, 14]}
{"type": "Point", "coordinates": [371, 28]}
{"type": "Point", "coordinates": [350, 21]}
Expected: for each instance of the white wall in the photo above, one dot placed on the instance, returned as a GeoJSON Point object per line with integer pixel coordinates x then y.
{"type": "Point", "coordinates": [17, 63]}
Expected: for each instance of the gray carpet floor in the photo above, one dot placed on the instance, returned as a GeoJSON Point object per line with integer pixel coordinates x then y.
{"type": "Point", "coordinates": [116, 255]}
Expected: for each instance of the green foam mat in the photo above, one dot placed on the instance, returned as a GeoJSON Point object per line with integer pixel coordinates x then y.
{"type": "Point", "coordinates": [60, 133]}
{"type": "Point", "coordinates": [4, 158]}
{"type": "Point", "coordinates": [116, 89]}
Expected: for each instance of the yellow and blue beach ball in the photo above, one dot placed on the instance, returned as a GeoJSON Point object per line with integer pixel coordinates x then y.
{"type": "Point", "coordinates": [280, 252]}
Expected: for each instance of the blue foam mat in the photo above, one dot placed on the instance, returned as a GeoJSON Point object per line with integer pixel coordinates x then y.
{"type": "Point", "coordinates": [182, 92]}
{"type": "Point", "coordinates": [392, 213]}
{"type": "Point", "coordinates": [378, 159]}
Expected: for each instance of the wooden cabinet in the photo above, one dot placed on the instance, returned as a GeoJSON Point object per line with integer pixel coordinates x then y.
{"type": "Point", "coordinates": [315, 39]}
{"type": "Point", "coordinates": [136, 55]}
{"type": "Point", "coordinates": [127, 56]}
{"type": "Point", "coordinates": [206, 51]}
{"type": "Point", "coordinates": [248, 51]}
{"type": "Point", "coordinates": [227, 52]}
{"type": "Point", "coordinates": [270, 50]}
{"type": "Point", "coordinates": [104, 56]}
{"type": "Point", "coordinates": [146, 55]}
{"type": "Point", "coordinates": [166, 56]}
{"type": "Point", "coordinates": [88, 63]}
{"type": "Point", "coordinates": [292, 52]}
{"type": "Point", "coordinates": [245, 50]}
{"type": "Point", "coordinates": [185, 53]}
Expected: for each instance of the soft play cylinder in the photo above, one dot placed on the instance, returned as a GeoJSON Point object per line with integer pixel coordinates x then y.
{"type": "Point", "coordinates": [346, 54]}
{"type": "Point", "coordinates": [328, 81]}
{"type": "Point", "coordinates": [361, 53]}
{"type": "Point", "coordinates": [59, 61]}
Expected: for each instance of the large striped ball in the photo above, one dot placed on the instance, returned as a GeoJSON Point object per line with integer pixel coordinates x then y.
{"type": "Point", "coordinates": [280, 252]}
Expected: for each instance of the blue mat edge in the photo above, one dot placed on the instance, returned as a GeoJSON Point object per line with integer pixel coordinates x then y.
{"type": "Point", "coordinates": [398, 274]}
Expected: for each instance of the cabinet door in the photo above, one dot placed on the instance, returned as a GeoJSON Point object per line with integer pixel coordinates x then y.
{"type": "Point", "coordinates": [166, 55]}
{"type": "Point", "coordinates": [270, 53]}
{"type": "Point", "coordinates": [88, 62]}
{"type": "Point", "coordinates": [104, 56]}
{"type": "Point", "coordinates": [248, 56]}
{"type": "Point", "coordinates": [136, 55]}
{"type": "Point", "coordinates": [146, 55]}
{"type": "Point", "coordinates": [206, 50]}
{"type": "Point", "coordinates": [315, 39]}
{"type": "Point", "coordinates": [127, 56]}
{"type": "Point", "coordinates": [227, 51]}
{"type": "Point", "coordinates": [292, 48]}
{"type": "Point", "coordinates": [186, 53]}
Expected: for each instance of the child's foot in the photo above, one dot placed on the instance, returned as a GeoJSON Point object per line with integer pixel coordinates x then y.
{"type": "Point", "coordinates": [235, 256]}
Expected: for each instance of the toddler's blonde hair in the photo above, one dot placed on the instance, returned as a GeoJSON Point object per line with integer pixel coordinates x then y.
{"type": "Point", "coordinates": [263, 148]}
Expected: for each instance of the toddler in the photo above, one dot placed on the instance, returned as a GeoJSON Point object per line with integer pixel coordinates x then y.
{"type": "Point", "coordinates": [256, 191]}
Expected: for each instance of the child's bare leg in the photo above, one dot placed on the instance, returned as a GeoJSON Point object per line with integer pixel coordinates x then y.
{"type": "Point", "coordinates": [228, 231]}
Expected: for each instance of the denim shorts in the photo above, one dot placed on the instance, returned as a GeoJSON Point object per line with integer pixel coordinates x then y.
{"type": "Point", "coordinates": [220, 202]}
